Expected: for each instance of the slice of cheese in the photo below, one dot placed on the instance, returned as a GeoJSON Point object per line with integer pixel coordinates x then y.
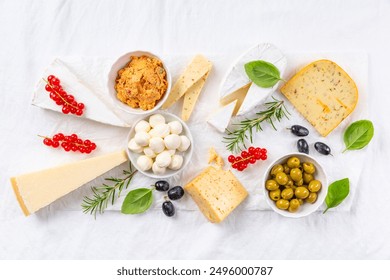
{"type": "Point", "coordinates": [191, 96]}
{"type": "Point", "coordinates": [323, 93]}
{"type": "Point", "coordinates": [198, 67]}
{"type": "Point", "coordinates": [237, 79]}
{"type": "Point", "coordinates": [221, 119]}
{"type": "Point", "coordinates": [238, 95]}
{"type": "Point", "coordinates": [38, 189]}
{"type": "Point", "coordinates": [216, 192]}
{"type": "Point", "coordinates": [214, 157]}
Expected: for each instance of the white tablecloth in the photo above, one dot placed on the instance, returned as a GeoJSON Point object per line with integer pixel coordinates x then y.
{"type": "Point", "coordinates": [35, 32]}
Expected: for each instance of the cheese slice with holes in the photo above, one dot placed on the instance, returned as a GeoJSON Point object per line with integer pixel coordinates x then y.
{"type": "Point", "coordinates": [221, 119]}
{"type": "Point", "coordinates": [38, 189]}
{"type": "Point", "coordinates": [323, 93]}
{"type": "Point", "coordinates": [216, 192]}
{"type": "Point", "coordinates": [237, 82]}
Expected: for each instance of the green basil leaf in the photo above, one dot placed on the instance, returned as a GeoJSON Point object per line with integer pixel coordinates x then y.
{"type": "Point", "coordinates": [262, 73]}
{"type": "Point", "coordinates": [137, 201]}
{"type": "Point", "coordinates": [358, 135]}
{"type": "Point", "coordinates": [337, 192]}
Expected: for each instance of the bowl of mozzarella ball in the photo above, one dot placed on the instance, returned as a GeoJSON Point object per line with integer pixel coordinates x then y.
{"type": "Point", "coordinates": [159, 145]}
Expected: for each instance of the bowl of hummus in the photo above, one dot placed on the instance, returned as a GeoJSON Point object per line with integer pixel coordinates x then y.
{"type": "Point", "coordinates": [139, 82]}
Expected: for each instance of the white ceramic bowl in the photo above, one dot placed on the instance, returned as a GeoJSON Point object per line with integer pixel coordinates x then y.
{"type": "Point", "coordinates": [186, 155]}
{"type": "Point", "coordinates": [112, 75]}
{"type": "Point", "coordinates": [306, 208]}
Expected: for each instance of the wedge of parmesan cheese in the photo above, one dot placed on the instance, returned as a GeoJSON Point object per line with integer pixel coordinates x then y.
{"type": "Point", "coordinates": [216, 192]}
{"type": "Point", "coordinates": [197, 69]}
{"type": "Point", "coordinates": [323, 93]}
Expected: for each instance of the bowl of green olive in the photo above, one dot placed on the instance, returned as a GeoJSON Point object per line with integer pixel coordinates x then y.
{"type": "Point", "coordinates": [295, 185]}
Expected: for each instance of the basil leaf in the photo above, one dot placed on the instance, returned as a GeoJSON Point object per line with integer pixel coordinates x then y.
{"type": "Point", "coordinates": [337, 192]}
{"type": "Point", "coordinates": [262, 73]}
{"type": "Point", "coordinates": [358, 135]}
{"type": "Point", "coordinates": [137, 201]}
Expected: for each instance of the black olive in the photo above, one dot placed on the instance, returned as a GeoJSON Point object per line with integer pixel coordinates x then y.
{"type": "Point", "coordinates": [161, 186]}
{"type": "Point", "coordinates": [176, 193]}
{"type": "Point", "coordinates": [322, 148]}
{"type": "Point", "coordinates": [299, 130]}
{"type": "Point", "coordinates": [168, 208]}
{"type": "Point", "coordinates": [303, 147]}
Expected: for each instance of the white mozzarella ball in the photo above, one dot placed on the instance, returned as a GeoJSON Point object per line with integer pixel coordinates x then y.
{"type": "Point", "coordinates": [134, 147]}
{"type": "Point", "coordinates": [160, 130]}
{"type": "Point", "coordinates": [172, 141]}
{"type": "Point", "coordinates": [176, 127]}
{"type": "Point", "coordinates": [157, 144]}
{"type": "Point", "coordinates": [176, 162]}
{"type": "Point", "coordinates": [171, 152]}
{"type": "Point", "coordinates": [149, 152]}
{"type": "Point", "coordinates": [164, 159]}
{"type": "Point", "coordinates": [156, 119]}
{"type": "Point", "coordinates": [158, 170]}
{"type": "Point", "coordinates": [142, 126]}
{"type": "Point", "coordinates": [142, 138]}
{"type": "Point", "coordinates": [185, 143]}
{"type": "Point", "coordinates": [144, 163]}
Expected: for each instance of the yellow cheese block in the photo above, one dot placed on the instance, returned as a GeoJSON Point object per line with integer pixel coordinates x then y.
{"type": "Point", "coordinates": [238, 95]}
{"type": "Point", "coordinates": [216, 192]}
{"type": "Point", "coordinates": [191, 96]}
{"type": "Point", "coordinates": [323, 93]}
{"type": "Point", "coordinates": [198, 67]}
{"type": "Point", "coordinates": [38, 189]}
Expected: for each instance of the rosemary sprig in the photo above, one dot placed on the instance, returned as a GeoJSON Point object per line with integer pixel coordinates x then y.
{"type": "Point", "coordinates": [102, 195]}
{"type": "Point", "coordinates": [235, 140]}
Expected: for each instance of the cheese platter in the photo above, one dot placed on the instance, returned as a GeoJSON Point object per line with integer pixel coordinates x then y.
{"type": "Point", "coordinates": [199, 87]}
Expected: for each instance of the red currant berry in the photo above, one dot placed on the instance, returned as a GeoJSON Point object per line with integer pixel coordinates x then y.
{"type": "Point", "coordinates": [48, 88]}
{"type": "Point", "coordinates": [79, 112]}
{"type": "Point", "coordinates": [73, 137]}
{"type": "Point", "coordinates": [238, 159]}
{"type": "Point", "coordinates": [244, 154]}
{"type": "Point", "coordinates": [257, 155]}
{"type": "Point", "coordinates": [74, 148]}
{"type": "Point", "coordinates": [50, 77]}
{"type": "Point", "coordinates": [252, 160]}
{"type": "Point", "coordinates": [64, 144]}
{"type": "Point", "coordinates": [87, 142]}
{"type": "Point", "coordinates": [263, 151]}
{"type": "Point", "coordinates": [82, 149]}
{"type": "Point", "coordinates": [80, 106]}
{"type": "Point", "coordinates": [55, 144]}
{"type": "Point", "coordinates": [60, 136]}
{"type": "Point", "coordinates": [263, 157]}
{"type": "Point", "coordinates": [70, 98]}
{"type": "Point", "coordinates": [55, 81]}
{"type": "Point", "coordinates": [65, 109]}
{"type": "Point", "coordinates": [240, 168]}
{"type": "Point", "coordinates": [79, 141]}
{"type": "Point", "coordinates": [231, 158]}
{"type": "Point", "coordinates": [73, 110]}
{"type": "Point", "coordinates": [67, 148]}
{"type": "Point", "coordinates": [258, 149]}
{"type": "Point", "coordinates": [74, 103]}
{"type": "Point", "coordinates": [251, 150]}
{"type": "Point", "coordinates": [235, 165]}
{"type": "Point", "coordinates": [88, 150]}
{"type": "Point", "coordinates": [92, 146]}
{"type": "Point", "coordinates": [244, 165]}
{"type": "Point", "coordinates": [47, 141]}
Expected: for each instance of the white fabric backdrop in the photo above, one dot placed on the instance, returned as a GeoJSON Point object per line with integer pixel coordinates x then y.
{"type": "Point", "coordinates": [33, 33]}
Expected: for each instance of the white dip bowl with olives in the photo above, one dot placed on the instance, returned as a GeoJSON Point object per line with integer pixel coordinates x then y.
{"type": "Point", "coordinates": [295, 185]}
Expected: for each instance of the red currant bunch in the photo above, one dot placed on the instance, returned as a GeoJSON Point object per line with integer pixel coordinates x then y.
{"type": "Point", "coordinates": [69, 143]}
{"type": "Point", "coordinates": [62, 98]}
{"type": "Point", "coordinates": [242, 161]}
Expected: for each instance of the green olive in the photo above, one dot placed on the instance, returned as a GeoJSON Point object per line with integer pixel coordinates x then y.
{"type": "Point", "coordinates": [290, 182]}
{"type": "Point", "coordinates": [287, 193]}
{"type": "Point", "coordinates": [309, 168]}
{"type": "Point", "coordinates": [296, 174]}
{"type": "Point", "coordinates": [311, 198]}
{"type": "Point", "coordinates": [293, 162]}
{"type": "Point", "coordinates": [274, 195]}
{"type": "Point", "coordinates": [302, 192]}
{"type": "Point", "coordinates": [300, 201]}
{"type": "Point", "coordinates": [276, 169]}
{"type": "Point", "coordinates": [299, 183]}
{"type": "Point", "coordinates": [271, 185]}
{"type": "Point", "coordinates": [282, 204]}
{"type": "Point", "coordinates": [307, 178]}
{"type": "Point", "coordinates": [314, 186]}
{"type": "Point", "coordinates": [286, 168]}
{"type": "Point", "coordinates": [281, 178]}
{"type": "Point", "coordinates": [294, 205]}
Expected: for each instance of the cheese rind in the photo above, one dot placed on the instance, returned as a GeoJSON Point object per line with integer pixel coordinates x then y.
{"type": "Point", "coordinates": [216, 192]}
{"type": "Point", "coordinates": [198, 67]}
{"type": "Point", "coordinates": [38, 189]}
{"type": "Point", "coordinates": [323, 93]}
